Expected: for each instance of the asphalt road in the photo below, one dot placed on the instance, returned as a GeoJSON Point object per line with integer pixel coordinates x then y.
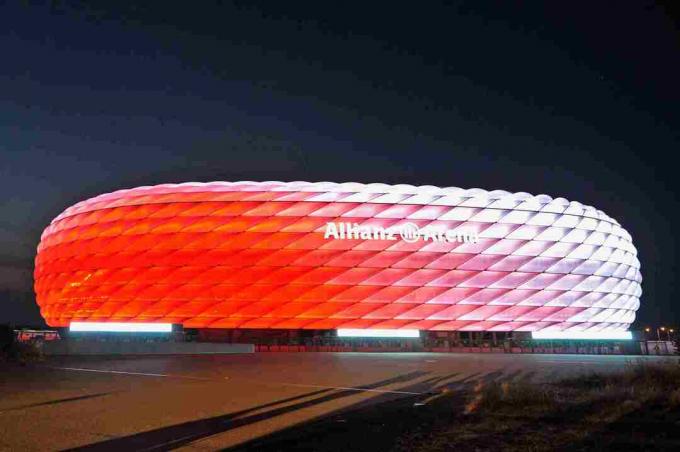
{"type": "Point", "coordinates": [213, 402]}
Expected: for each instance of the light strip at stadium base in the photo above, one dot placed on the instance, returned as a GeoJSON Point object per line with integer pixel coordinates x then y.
{"type": "Point", "coordinates": [377, 333]}
{"type": "Point", "coordinates": [120, 327]}
{"type": "Point", "coordinates": [583, 335]}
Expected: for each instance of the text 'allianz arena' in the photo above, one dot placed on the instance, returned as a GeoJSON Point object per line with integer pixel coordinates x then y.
{"type": "Point", "coordinates": [303, 255]}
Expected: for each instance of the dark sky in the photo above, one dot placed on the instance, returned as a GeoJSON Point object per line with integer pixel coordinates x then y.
{"type": "Point", "coordinates": [572, 99]}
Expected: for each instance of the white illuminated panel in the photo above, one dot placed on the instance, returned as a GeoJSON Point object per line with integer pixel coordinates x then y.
{"type": "Point", "coordinates": [120, 327]}
{"type": "Point", "coordinates": [354, 332]}
{"type": "Point", "coordinates": [617, 335]}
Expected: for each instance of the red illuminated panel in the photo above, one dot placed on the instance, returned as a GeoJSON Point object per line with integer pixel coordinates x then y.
{"type": "Point", "coordinates": [260, 255]}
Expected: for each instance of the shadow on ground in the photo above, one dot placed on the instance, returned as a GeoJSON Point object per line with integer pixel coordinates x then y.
{"type": "Point", "coordinates": [182, 434]}
{"type": "Point", "coordinates": [378, 424]}
{"type": "Point", "coordinates": [57, 401]}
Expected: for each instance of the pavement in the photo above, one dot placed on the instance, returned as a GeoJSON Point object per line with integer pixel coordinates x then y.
{"type": "Point", "coordinates": [219, 401]}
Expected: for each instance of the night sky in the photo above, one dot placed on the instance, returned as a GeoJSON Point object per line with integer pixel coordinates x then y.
{"type": "Point", "coordinates": [572, 99]}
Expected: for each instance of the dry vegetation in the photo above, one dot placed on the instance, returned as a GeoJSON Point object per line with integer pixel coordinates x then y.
{"type": "Point", "coordinates": [638, 409]}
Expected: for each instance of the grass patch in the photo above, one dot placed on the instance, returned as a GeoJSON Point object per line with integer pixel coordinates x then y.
{"type": "Point", "coordinates": [637, 409]}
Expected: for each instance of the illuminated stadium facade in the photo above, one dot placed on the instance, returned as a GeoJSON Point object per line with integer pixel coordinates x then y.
{"type": "Point", "coordinates": [327, 256]}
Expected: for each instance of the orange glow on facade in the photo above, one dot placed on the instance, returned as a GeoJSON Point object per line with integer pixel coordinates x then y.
{"type": "Point", "coordinates": [265, 255]}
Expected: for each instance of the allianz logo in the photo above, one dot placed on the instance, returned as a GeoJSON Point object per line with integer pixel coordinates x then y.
{"type": "Point", "coordinates": [408, 232]}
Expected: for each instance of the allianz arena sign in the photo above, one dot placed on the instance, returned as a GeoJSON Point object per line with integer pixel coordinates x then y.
{"type": "Point", "coordinates": [337, 256]}
{"type": "Point", "coordinates": [408, 232]}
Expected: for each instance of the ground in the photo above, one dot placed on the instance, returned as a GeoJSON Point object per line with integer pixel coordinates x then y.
{"type": "Point", "coordinates": [242, 401]}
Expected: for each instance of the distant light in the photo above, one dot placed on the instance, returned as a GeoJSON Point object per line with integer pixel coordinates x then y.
{"type": "Point", "coordinates": [619, 335]}
{"type": "Point", "coordinates": [121, 327]}
{"type": "Point", "coordinates": [354, 332]}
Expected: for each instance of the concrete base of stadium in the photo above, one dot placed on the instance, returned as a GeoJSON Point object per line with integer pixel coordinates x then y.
{"type": "Point", "coordinates": [429, 341]}
{"type": "Point", "coordinates": [217, 341]}
{"type": "Point", "coordinates": [578, 349]}
{"type": "Point", "coordinates": [84, 347]}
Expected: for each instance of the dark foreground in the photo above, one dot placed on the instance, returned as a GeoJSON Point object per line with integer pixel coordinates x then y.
{"type": "Point", "coordinates": [318, 401]}
{"type": "Point", "coordinates": [634, 409]}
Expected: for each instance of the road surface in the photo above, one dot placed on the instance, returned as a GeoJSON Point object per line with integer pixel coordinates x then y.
{"type": "Point", "coordinates": [213, 402]}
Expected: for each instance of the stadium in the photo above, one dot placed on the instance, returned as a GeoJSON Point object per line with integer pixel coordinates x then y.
{"type": "Point", "coordinates": [337, 257]}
